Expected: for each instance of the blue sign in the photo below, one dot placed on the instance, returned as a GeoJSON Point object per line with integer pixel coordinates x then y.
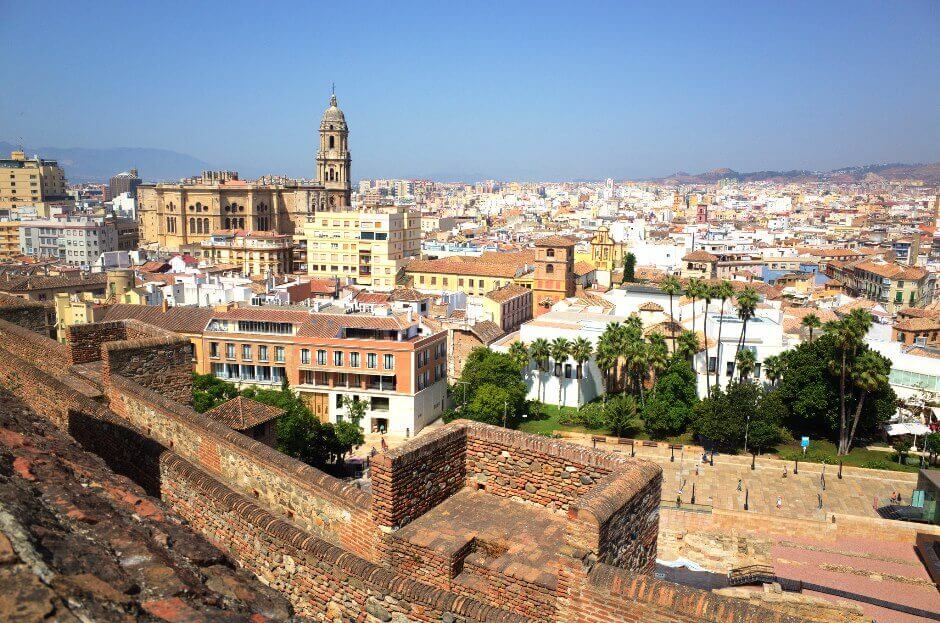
{"type": "Point", "coordinates": [804, 442]}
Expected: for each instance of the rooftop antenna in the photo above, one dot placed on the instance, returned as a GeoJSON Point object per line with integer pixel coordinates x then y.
{"type": "Point", "coordinates": [332, 88]}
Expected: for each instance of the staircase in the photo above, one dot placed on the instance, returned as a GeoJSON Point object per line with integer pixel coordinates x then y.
{"type": "Point", "coordinates": [751, 574]}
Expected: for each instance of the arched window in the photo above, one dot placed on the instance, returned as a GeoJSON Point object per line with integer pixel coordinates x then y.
{"type": "Point", "coordinates": [198, 207]}
{"type": "Point", "coordinates": [332, 142]}
{"type": "Point", "coordinates": [549, 268]}
{"type": "Point", "coordinates": [192, 225]}
{"type": "Point", "coordinates": [228, 223]}
{"type": "Point", "coordinates": [205, 225]}
{"type": "Point", "coordinates": [550, 252]}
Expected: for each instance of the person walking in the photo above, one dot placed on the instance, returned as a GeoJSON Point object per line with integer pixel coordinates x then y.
{"type": "Point", "coordinates": [739, 484]}
{"type": "Point", "coordinates": [384, 445]}
{"type": "Point", "coordinates": [779, 502]}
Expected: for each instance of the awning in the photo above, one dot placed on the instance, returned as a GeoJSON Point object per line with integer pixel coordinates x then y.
{"type": "Point", "coordinates": [915, 428]}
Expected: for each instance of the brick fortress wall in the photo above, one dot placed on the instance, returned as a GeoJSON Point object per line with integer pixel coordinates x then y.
{"type": "Point", "coordinates": [277, 516]}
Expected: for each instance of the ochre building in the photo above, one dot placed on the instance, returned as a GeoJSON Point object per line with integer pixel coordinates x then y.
{"type": "Point", "coordinates": [174, 215]}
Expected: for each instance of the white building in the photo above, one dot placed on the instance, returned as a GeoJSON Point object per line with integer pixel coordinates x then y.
{"type": "Point", "coordinates": [74, 240]}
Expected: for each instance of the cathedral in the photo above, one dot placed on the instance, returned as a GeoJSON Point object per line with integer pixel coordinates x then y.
{"type": "Point", "coordinates": [179, 216]}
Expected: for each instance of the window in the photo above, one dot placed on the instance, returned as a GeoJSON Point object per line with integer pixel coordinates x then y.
{"type": "Point", "coordinates": [388, 361]}
{"type": "Point", "coordinates": [337, 357]}
{"type": "Point", "coordinates": [279, 354]}
{"type": "Point", "coordinates": [321, 357]}
{"type": "Point", "coordinates": [354, 360]}
{"type": "Point", "coordinates": [712, 364]}
{"type": "Point", "coordinates": [371, 360]}
{"type": "Point", "coordinates": [214, 349]}
{"type": "Point", "coordinates": [550, 252]}
{"type": "Point", "coordinates": [262, 353]}
{"type": "Point", "coordinates": [549, 268]}
{"type": "Point", "coordinates": [246, 352]}
{"type": "Point", "coordinates": [230, 351]}
{"type": "Point", "coordinates": [304, 355]}
{"type": "Point", "coordinates": [730, 369]}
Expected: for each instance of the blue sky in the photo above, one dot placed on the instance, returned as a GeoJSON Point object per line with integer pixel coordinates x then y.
{"type": "Point", "coordinates": [475, 90]}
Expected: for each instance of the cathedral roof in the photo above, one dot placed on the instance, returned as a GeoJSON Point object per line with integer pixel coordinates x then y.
{"type": "Point", "coordinates": [333, 114]}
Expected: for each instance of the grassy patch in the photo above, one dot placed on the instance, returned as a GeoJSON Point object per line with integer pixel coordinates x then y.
{"type": "Point", "coordinates": [826, 452]}
{"type": "Point", "coordinates": [550, 423]}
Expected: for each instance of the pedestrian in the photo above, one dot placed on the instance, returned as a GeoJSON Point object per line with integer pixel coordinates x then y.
{"type": "Point", "coordinates": [784, 471]}
{"type": "Point", "coordinates": [739, 484]}
{"type": "Point", "coordinates": [679, 500]}
{"type": "Point", "coordinates": [373, 451]}
{"type": "Point", "coordinates": [384, 445]}
{"type": "Point", "coordinates": [779, 502]}
{"type": "Point", "coordinates": [696, 469]}
{"type": "Point", "coordinates": [704, 458]}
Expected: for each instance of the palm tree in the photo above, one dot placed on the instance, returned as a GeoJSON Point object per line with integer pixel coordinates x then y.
{"type": "Point", "coordinates": [581, 351]}
{"type": "Point", "coordinates": [688, 345]}
{"type": "Point", "coordinates": [868, 374]}
{"type": "Point", "coordinates": [695, 289]}
{"type": "Point", "coordinates": [657, 355]}
{"type": "Point", "coordinates": [745, 359]}
{"type": "Point", "coordinates": [723, 292]}
{"type": "Point", "coordinates": [811, 322]}
{"type": "Point", "coordinates": [671, 286]}
{"type": "Point", "coordinates": [747, 304]}
{"type": "Point", "coordinates": [608, 354]}
{"type": "Point", "coordinates": [773, 368]}
{"type": "Point", "coordinates": [847, 335]}
{"type": "Point", "coordinates": [560, 348]}
{"type": "Point", "coordinates": [540, 351]}
{"type": "Point", "coordinates": [519, 354]}
{"type": "Point", "coordinates": [634, 355]}
{"type": "Point", "coordinates": [708, 292]}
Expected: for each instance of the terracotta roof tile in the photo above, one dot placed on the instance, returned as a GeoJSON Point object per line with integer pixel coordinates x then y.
{"type": "Point", "coordinates": [507, 292]}
{"type": "Point", "coordinates": [242, 413]}
{"type": "Point", "coordinates": [176, 319]}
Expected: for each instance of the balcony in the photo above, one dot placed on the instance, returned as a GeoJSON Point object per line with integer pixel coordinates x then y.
{"type": "Point", "coordinates": [342, 380]}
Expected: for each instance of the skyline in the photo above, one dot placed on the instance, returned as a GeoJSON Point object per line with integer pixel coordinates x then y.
{"type": "Point", "coordinates": [650, 92]}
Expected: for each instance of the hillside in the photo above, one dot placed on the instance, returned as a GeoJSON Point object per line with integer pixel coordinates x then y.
{"type": "Point", "coordinates": [98, 165]}
{"type": "Point", "coordinates": [929, 173]}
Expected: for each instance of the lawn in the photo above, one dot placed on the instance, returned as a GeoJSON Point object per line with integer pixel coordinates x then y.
{"type": "Point", "coordinates": [825, 452]}
{"type": "Point", "coordinates": [551, 424]}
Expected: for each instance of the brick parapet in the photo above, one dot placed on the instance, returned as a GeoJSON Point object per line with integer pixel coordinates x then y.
{"type": "Point", "coordinates": [35, 316]}
{"type": "Point", "coordinates": [319, 578]}
{"type": "Point", "coordinates": [320, 503]}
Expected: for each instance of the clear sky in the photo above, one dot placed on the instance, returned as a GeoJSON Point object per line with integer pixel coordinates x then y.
{"type": "Point", "coordinates": [472, 90]}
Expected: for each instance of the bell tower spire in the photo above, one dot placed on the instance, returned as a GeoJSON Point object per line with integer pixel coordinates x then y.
{"type": "Point", "coordinates": [333, 157]}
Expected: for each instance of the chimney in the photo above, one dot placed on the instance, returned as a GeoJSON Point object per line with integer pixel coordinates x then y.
{"type": "Point", "coordinates": [165, 305]}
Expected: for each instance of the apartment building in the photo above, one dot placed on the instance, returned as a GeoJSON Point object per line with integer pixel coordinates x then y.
{"type": "Point", "coordinates": [256, 252]}
{"type": "Point", "coordinates": [368, 247]}
{"type": "Point", "coordinates": [395, 363]}
{"type": "Point", "coordinates": [30, 182]}
{"type": "Point", "coordinates": [507, 307]}
{"type": "Point", "coordinates": [472, 275]}
{"type": "Point", "coordinates": [76, 241]}
{"type": "Point", "coordinates": [9, 239]}
{"type": "Point", "coordinates": [895, 286]}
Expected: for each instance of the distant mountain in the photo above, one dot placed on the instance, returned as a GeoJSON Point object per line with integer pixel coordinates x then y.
{"type": "Point", "coordinates": [98, 165]}
{"type": "Point", "coordinates": [929, 173]}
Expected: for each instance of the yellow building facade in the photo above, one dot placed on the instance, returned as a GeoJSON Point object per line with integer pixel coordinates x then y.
{"type": "Point", "coordinates": [9, 239]}
{"type": "Point", "coordinates": [30, 182]}
{"type": "Point", "coordinates": [257, 253]}
{"type": "Point", "coordinates": [368, 246]}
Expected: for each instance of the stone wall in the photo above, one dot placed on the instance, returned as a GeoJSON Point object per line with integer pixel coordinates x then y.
{"type": "Point", "coordinates": [33, 315]}
{"type": "Point", "coordinates": [322, 581]}
{"type": "Point", "coordinates": [84, 340]}
{"type": "Point", "coordinates": [161, 363]}
{"type": "Point", "coordinates": [319, 503]}
{"type": "Point", "coordinates": [409, 481]}
{"type": "Point", "coordinates": [605, 594]}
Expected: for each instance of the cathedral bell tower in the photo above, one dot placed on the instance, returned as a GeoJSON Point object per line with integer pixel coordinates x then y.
{"type": "Point", "coordinates": [333, 159]}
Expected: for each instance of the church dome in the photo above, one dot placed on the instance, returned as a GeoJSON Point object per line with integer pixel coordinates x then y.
{"type": "Point", "coordinates": [333, 114]}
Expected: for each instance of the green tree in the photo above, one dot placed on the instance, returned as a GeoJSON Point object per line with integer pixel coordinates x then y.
{"type": "Point", "coordinates": [657, 354]}
{"type": "Point", "coordinates": [869, 374]}
{"type": "Point", "coordinates": [695, 289]}
{"type": "Point", "coordinates": [747, 304]}
{"type": "Point", "coordinates": [764, 430]}
{"type": "Point", "coordinates": [669, 409]}
{"type": "Point", "coordinates": [348, 436]}
{"type": "Point", "coordinates": [581, 351]}
{"type": "Point", "coordinates": [671, 286]}
{"type": "Point", "coordinates": [811, 322]}
{"type": "Point", "coordinates": [708, 291]}
{"type": "Point", "coordinates": [689, 345]}
{"type": "Point", "coordinates": [629, 268]}
{"type": "Point", "coordinates": [773, 369]}
{"type": "Point", "coordinates": [723, 291]}
{"type": "Point", "coordinates": [519, 355]}
{"type": "Point", "coordinates": [485, 371]}
{"type": "Point", "coordinates": [540, 351]}
{"type": "Point", "coordinates": [560, 349]}
{"type": "Point", "coordinates": [847, 335]}
{"type": "Point", "coordinates": [745, 360]}
{"type": "Point", "coordinates": [932, 446]}
{"type": "Point", "coordinates": [620, 415]}
{"type": "Point", "coordinates": [724, 419]}
{"type": "Point", "coordinates": [495, 405]}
